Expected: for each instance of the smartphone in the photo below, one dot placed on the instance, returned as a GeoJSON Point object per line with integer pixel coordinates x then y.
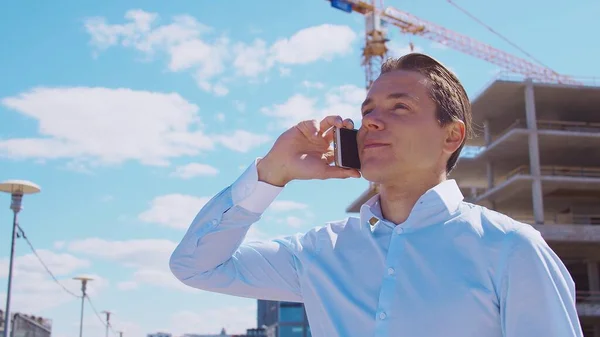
{"type": "Point", "coordinates": [345, 148]}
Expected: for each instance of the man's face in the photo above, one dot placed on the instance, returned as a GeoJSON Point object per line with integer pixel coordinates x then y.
{"type": "Point", "coordinates": [400, 134]}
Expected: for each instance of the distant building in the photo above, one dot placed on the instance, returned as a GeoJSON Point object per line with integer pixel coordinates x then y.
{"type": "Point", "coordinates": [23, 325]}
{"type": "Point", "coordinates": [254, 332]}
{"type": "Point", "coordinates": [222, 334]}
{"type": "Point", "coordinates": [282, 319]}
{"type": "Point", "coordinates": [160, 334]}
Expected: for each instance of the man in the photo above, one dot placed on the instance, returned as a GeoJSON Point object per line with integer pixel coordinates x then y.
{"type": "Point", "coordinates": [419, 261]}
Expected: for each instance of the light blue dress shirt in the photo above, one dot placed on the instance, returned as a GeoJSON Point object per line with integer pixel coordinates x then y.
{"type": "Point", "coordinates": [452, 269]}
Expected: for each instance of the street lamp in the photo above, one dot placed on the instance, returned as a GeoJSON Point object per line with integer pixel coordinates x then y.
{"type": "Point", "coordinates": [16, 188]}
{"type": "Point", "coordinates": [84, 280]}
{"type": "Point", "coordinates": [107, 313]}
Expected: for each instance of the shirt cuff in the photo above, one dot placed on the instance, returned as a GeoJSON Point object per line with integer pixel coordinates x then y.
{"type": "Point", "coordinates": [250, 193]}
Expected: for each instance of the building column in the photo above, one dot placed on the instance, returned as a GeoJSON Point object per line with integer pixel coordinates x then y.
{"type": "Point", "coordinates": [534, 154]}
{"type": "Point", "coordinates": [593, 275]}
{"type": "Point", "coordinates": [490, 174]}
{"type": "Point", "coordinates": [487, 136]}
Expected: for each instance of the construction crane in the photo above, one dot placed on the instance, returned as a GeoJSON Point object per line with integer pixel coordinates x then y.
{"type": "Point", "coordinates": [375, 50]}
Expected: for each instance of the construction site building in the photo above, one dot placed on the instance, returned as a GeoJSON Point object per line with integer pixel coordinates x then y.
{"type": "Point", "coordinates": [538, 161]}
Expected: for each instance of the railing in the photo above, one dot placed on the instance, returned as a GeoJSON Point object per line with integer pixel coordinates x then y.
{"type": "Point", "coordinates": [551, 125]}
{"type": "Point", "coordinates": [587, 296]}
{"type": "Point", "coordinates": [517, 124]}
{"type": "Point", "coordinates": [559, 218]}
{"type": "Point", "coordinates": [557, 171]}
{"type": "Point", "coordinates": [568, 126]}
{"type": "Point", "coordinates": [568, 171]}
{"type": "Point", "coordinates": [510, 76]}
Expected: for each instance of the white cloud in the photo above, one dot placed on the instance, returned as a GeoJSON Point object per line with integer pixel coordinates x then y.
{"type": "Point", "coordinates": [107, 125]}
{"type": "Point", "coordinates": [397, 50]}
{"type": "Point", "coordinates": [137, 253]}
{"type": "Point", "coordinates": [107, 198]}
{"type": "Point", "coordinates": [314, 43]}
{"type": "Point", "coordinates": [239, 105]}
{"type": "Point", "coordinates": [284, 71]}
{"type": "Point", "coordinates": [242, 140]}
{"type": "Point", "coordinates": [34, 291]}
{"type": "Point", "coordinates": [148, 257]}
{"type": "Point", "coordinates": [127, 285]}
{"type": "Point", "coordinates": [192, 170]}
{"type": "Point", "coordinates": [194, 47]}
{"type": "Point", "coordinates": [252, 59]}
{"type": "Point", "coordinates": [344, 101]}
{"type": "Point", "coordinates": [94, 126]}
{"type": "Point", "coordinates": [184, 41]}
{"type": "Point", "coordinates": [313, 85]}
{"type": "Point", "coordinates": [286, 205]}
{"type": "Point", "coordinates": [173, 210]}
{"type": "Point", "coordinates": [235, 320]}
{"type": "Point", "coordinates": [294, 221]}
{"type": "Point", "coordinates": [160, 278]}
{"type": "Point", "coordinates": [58, 244]}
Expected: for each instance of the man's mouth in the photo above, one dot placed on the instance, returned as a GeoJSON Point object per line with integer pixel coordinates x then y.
{"type": "Point", "coordinates": [374, 145]}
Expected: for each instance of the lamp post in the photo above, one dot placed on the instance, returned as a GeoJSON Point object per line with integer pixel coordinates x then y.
{"type": "Point", "coordinates": [84, 280]}
{"type": "Point", "coordinates": [16, 188]}
{"type": "Point", "coordinates": [107, 313]}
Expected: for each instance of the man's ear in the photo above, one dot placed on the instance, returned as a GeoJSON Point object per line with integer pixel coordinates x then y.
{"type": "Point", "coordinates": [455, 135]}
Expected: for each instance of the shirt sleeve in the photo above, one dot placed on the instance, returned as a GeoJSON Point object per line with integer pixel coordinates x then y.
{"type": "Point", "coordinates": [537, 291]}
{"type": "Point", "coordinates": [213, 255]}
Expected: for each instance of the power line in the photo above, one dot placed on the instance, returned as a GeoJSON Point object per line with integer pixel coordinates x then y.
{"type": "Point", "coordinates": [497, 33]}
{"type": "Point", "coordinates": [99, 316]}
{"type": "Point", "coordinates": [22, 233]}
{"type": "Point", "coordinates": [34, 251]}
{"type": "Point", "coordinates": [94, 309]}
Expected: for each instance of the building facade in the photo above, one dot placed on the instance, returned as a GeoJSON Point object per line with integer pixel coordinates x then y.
{"type": "Point", "coordinates": [23, 325]}
{"type": "Point", "coordinates": [282, 319]}
{"type": "Point", "coordinates": [539, 162]}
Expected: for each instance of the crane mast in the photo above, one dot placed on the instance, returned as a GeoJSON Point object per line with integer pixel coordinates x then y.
{"type": "Point", "coordinates": [375, 50]}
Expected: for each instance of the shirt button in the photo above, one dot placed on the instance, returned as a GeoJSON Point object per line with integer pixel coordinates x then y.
{"type": "Point", "coordinates": [399, 230]}
{"type": "Point", "coordinates": [382, 316]}
{"type": "Point", "coordinates": [391, 271]}
{"type": "Point", "coordinates": [214, 221]}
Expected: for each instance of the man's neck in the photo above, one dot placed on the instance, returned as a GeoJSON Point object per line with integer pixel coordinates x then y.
{"type": "Point", "coordinates": [397, 200]}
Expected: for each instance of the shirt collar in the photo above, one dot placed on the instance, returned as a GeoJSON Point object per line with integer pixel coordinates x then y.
{"type": "Point", "coordinates": [436, 205]}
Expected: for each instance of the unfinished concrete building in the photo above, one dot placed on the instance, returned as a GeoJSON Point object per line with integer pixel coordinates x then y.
{"type": "Point", "coordinates": [539, 162]}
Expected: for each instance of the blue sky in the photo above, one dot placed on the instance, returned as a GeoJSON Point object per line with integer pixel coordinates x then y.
{"type": "Point", "coordinates": [130, 114]}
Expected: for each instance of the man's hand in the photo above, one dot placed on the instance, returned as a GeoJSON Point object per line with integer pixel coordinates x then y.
{"type": "Point", "coordinates": [304, 152]}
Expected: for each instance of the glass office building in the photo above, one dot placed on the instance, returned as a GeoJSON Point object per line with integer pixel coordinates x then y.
{"type": "Point", "coordinates": [283, 319]}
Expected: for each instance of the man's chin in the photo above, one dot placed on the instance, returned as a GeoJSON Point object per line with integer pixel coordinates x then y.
{"type": "Point", "coordinates": [371, 173]}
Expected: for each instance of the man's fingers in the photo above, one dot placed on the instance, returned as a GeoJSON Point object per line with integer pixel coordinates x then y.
{"type": "Point", "coordinates": [348, 123]}
{"type": "Point", "coordinates": [330, 121]}
{"type": "Point", "coordinates": [335, 172]}
{"type": "Point", "coordinates": [329, 156]}
{"type": "Point", "coordinates": [310, 130]}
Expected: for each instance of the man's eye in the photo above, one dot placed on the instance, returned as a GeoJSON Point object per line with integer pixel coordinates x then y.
{"type": "Point", "coordinates": [400, 106]}
{"type": "Point", "coordinates": [366, 112]}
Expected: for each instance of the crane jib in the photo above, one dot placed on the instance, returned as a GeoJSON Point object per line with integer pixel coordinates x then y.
{"type": "Point", "coordinates": [342, 5]}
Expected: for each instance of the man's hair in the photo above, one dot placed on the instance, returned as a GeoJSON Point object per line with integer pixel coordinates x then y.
{"type": "Point", "coordinates": [448, 94]}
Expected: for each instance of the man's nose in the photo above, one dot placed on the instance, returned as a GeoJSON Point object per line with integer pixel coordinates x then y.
{"type": "Point", "coordinates": [372, 121]}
